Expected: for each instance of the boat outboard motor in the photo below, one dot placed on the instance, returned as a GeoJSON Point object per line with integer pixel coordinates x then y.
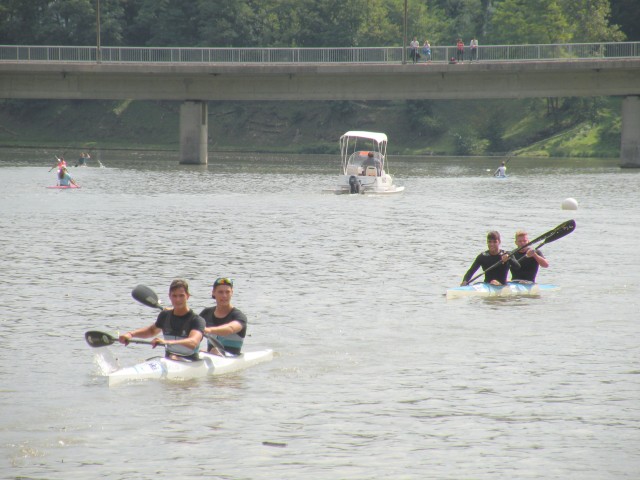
{"type": "Point", "coordinates": [354, 184]}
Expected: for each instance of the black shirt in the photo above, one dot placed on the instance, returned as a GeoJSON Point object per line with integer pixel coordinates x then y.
{"type": "Point", "coordinates": [528, 267]}
{"type": "Point", "coordinates": [486, 260]}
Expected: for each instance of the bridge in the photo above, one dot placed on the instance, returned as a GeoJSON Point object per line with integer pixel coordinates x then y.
{"type": "Point", "coordinates": [195, 76]}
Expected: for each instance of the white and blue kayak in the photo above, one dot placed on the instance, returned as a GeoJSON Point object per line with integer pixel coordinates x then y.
{"type": "Point", "coordinates": [511, 289]}
{"type": "Point", "coordinates": [160, 368]}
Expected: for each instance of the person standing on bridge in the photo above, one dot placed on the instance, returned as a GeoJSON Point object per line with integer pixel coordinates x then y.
{"type": "Point", "coordinates": [426, 50]}
{"type": "Point", "coordinates": [415, 45]}
{"type": "Point", "coordinates": [473, 46]}
{"type": "Point", "coordinates": [460, 50]}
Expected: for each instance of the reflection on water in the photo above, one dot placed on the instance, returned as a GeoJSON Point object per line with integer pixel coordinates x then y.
{"type": "Point", "coordinates": [376, 374]}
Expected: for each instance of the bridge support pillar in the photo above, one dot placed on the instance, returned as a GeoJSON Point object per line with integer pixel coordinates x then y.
{"type": "Point", "coordinates": [193, 133]}
{"type": "Point", "coordinates": [630, 144]}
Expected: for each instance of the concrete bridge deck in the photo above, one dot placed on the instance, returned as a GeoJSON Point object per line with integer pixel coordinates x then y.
{"type": "Point", "coordinates": [180, 81]}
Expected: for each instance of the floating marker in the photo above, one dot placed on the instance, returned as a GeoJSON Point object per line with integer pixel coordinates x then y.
{"type": "Point", "coordinates": [569, 204]}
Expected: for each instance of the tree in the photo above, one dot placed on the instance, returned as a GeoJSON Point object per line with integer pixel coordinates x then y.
{"type": "Point", "coordinates": [590, 21]}
{"type": "Point", "coordinates": [20, 21]}
{"type": "Point", "coordinates": [228, 24]}
{"type": "Point", "coordinates": [460, 19]}
{"type": "Point", "coordinates": [328, 23]}
{"type": "Point", "coordinates": [528, 21]}
{"type": "Point", "coordinates": [627, 14]}
{"type": "Point", "coordinates": [168, 23]}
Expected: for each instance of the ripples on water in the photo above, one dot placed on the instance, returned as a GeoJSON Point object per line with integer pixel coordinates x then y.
{"type": "Point", "coordinates": [376, 374]}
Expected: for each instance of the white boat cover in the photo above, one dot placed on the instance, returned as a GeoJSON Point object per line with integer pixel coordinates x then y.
{"type": "Point", "coordinates": [375, 136]}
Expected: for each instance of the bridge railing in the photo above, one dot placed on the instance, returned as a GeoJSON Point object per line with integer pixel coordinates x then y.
{"type": "Point", "coordinates": [40, 53]}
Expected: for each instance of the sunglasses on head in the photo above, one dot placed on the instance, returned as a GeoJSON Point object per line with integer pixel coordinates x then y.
{"type": "Point", "coordinates": [223, 281]}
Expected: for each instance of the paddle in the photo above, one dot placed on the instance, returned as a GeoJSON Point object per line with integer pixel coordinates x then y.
{"type": "Point", "coordinates": [97, 339]}
{"type": "Point", "coordinates": [148, 297]}
{"type": "Point", "coordinates": [551, 236]}
{"type": "Point", "coordinates": [56, 164]}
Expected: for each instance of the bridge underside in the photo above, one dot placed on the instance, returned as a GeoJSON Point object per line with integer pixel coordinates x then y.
{"type": "Point", "coordinates": [199, 83]}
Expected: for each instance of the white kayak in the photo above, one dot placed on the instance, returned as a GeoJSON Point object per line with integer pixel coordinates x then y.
{"type": "Point", "coordinates": [208, 365]}
{"type": "Point", "coordinates": [509, 290]}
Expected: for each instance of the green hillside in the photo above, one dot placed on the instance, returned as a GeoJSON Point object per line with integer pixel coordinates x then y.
{"type": "Point", "coordinates": [538, 127]}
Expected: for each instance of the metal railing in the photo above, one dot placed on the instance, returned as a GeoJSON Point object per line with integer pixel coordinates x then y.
{"type": "Point", "coordinates": [570, 51]}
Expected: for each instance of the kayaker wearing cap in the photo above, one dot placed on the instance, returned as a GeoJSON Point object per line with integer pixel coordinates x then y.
{"type": "Point", "coordinates": [490, 257]}
{"type": "Point", "coordinates": [181, 328]}
{"type": "Point", "coordinates": [529, 259]}
{"type": "Point", "coordinates": [223, 320]}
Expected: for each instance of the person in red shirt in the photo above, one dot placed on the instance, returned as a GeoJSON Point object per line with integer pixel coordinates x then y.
{"type": "Point", "coordinates": [460, 50]}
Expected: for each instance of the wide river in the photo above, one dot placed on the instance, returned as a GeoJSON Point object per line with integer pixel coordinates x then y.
{"type": "Point", "coordinates": [376, 374]}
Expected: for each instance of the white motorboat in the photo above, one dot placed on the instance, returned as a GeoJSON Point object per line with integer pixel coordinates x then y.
{"type": "Point", "coordinates": [165, 368]}
{"type": "Point", "coordinates": [364, 164]}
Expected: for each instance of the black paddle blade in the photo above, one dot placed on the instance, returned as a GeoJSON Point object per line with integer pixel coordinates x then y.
{"type": "Point", "coordinates": [146, 296]}
{"type": "Point", "coordinates": [560, 231]}
{"type": "Point", "coordinates": [97, 339]}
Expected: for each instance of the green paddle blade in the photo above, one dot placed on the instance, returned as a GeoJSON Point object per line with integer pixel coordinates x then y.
{"type": "Point", "coordinates": [97, 339]}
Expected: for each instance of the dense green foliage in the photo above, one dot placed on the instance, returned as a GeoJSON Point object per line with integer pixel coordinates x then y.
{"type": "Point", "coordinates": [311, 23]}
{"type": "Point", "coordinates": [567, 127]}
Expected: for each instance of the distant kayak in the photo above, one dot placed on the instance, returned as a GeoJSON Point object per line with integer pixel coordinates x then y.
{"type": "Point", "coordinates": [64, 187]}
{"type": "Point", "coordinates": [511, 289]}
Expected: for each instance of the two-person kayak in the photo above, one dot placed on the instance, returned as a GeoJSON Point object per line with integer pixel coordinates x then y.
{"type": "Point", "coordinates": [511, 289]}
{"type": "Point", "coordinates": [209, 365]}
{"type": "Point", "coordinates": [166, 368]}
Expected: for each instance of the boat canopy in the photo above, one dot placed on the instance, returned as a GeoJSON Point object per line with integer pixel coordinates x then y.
{"type": "Point", "coordinates": [375, 136]}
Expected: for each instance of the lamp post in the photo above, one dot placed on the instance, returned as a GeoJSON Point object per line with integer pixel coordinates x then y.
{"type": "Point", "coordinates": [98, 55]}
{"type": "Point", "coordinates": [404, 36]}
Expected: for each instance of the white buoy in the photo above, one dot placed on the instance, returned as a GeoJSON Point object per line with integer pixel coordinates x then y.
{"type": "Point", "coordinates": [569, 204]}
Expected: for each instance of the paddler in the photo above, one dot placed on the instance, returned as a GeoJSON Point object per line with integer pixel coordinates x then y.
{"type": "Point", "coordinates": [493, 256]}
{"type": "Point", "coordinates": [82, 161]}
{"type": "Point", "coordinates": [64, 178]}
{"type": "Point", "coordinates": [60, 162]}
{"type": "Point", "coordinates": [528, 258]}
{"type": "Point", "coordinates": [182, 329]}
{"type": "Point", "coordinates": [226, 322]}
{"type": "Point", "coordinates": [501, 171]}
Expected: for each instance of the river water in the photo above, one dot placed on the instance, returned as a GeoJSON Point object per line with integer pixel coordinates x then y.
{"type": "Point", "coordinates": [376, 374]}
